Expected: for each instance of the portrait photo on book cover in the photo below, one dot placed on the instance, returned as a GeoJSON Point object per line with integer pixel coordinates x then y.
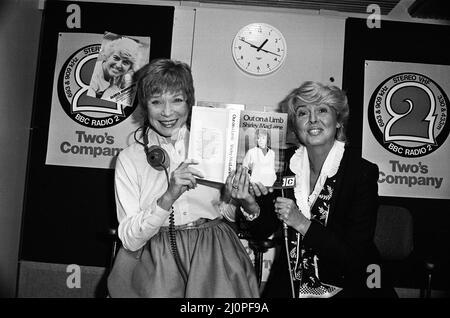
{"type": "Point", "coordinates": [262, 139]}
{"type": "Point", "coordinates": [120, 57]}
{"type": "Point", "coordinates": [260, 158]}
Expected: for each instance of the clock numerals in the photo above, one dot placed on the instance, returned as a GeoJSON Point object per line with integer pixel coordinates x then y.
{"type": "Point", "coordinates": [259, 49]}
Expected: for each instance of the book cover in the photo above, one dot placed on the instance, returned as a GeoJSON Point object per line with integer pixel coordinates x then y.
{"type": "Point", "coordinates": [222, 138]}
{"type": "Point", "coordinates": [213, 141]}
{"type": "Point", "coordinates": [262, 140]}
{"type": "Point", "coordinates": [120, 57]}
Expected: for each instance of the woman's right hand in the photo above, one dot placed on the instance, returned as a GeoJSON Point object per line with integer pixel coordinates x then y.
{"type": "Point", "coordinates": [182, 179]}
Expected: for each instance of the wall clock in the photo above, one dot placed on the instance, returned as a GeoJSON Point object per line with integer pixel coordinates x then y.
{"type": "Point", "coordinates": [259, 49]}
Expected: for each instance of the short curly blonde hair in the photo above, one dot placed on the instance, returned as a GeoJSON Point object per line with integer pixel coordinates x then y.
{"type": "Point", "coordinates": [317, 93]}
{"type": "Point", "coordinates": [127, 48]}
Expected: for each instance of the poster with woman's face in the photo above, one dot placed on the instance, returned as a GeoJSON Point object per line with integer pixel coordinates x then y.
{"type": "Point", "coordinates": [120, 57]}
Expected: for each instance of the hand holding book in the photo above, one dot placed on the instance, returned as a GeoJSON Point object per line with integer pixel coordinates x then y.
{"type": "Point", "coordinates": [239, 188]}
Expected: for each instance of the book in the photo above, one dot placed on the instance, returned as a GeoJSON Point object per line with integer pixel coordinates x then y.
{"type": "Point", "coordinates": [223, 138]}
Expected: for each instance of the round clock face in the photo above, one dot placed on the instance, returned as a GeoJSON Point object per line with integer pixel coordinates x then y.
{"type": "Point", "coordinates": [259, 49]}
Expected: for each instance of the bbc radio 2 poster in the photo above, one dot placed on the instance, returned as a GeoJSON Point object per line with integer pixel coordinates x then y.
{"type": "Point", "coordinates": [87, 131]}
{"type": "Point", "coordinates": [406, 128]}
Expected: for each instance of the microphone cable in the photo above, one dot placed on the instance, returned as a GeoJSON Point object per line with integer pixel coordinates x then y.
{"type": "Point", "coordinates": [286, 245]}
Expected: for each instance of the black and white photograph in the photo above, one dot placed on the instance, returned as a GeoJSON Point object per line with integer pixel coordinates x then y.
{"type": "Point", "coordinates": [222, 157]}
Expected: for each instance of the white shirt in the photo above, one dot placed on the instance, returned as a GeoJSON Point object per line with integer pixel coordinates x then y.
{"type": "Point", "coordinates": [138, 186]}
{"type": "Point", "coordinates": [262, 165]}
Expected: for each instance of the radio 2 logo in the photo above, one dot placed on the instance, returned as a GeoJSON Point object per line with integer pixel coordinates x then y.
{"type": "Point", "coordinates": [407, 115]}
{"type": "Point", "coordinates": [73, 84]}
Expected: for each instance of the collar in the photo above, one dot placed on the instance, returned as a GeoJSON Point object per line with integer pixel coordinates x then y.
{"type": "Point", "coordinates": [299, 164]}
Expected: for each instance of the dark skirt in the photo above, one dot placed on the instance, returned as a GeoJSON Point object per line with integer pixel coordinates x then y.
{"type": "Point", "coordinates": [213, 256]}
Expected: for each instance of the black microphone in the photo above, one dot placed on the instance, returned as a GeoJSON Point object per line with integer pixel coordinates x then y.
{"type": "Point", "coordinates": [287, 182]}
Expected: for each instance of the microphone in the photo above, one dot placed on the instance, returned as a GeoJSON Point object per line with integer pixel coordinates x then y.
{"type": "Point", "coordinates": [287, 182]}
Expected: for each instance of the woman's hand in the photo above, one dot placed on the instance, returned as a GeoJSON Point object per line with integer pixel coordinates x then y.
{"type": "Point", "coordinates": [181, 180]}
{"type": "Point", "coordinates": [258, 189]}
{"type": "Point", "coordinates": [288, 212]}
{"type": "Point", "coordinates": [237, 187]}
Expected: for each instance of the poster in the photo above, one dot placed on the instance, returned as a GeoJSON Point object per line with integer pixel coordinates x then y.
{"type": "Point", "coordinates": [406, 128]}
{"type": "Point", "coordinates": [87, 131]}
{"type": "Point", "coordinates": [120, 57]}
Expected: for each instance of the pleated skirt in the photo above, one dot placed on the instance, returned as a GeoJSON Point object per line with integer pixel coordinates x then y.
{"type": "Point", "coordinates": [216, 263]}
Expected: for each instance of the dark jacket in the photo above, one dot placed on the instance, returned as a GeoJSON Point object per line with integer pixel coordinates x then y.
{"type": "Point", "coordinates": [345, 246]}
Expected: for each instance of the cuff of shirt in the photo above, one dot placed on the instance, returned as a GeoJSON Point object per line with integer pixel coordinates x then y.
{"type": "Point", "coordinates": [228, 210]}
{"type": "Point", "coordinates": [155, 215]}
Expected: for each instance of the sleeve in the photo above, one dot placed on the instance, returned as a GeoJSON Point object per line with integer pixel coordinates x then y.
{"type": "Point", "coordinates": [136, 226]}
{"type": "Point", "coordinates": [228, 210]}
{"type": "Point", "coordinates": [351, 248]}
{"type": "Point", "coordinates": [264, 225]}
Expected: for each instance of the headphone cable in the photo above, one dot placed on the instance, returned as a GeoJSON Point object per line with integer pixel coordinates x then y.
{"type": "Point", "coordinates": [172, 235]}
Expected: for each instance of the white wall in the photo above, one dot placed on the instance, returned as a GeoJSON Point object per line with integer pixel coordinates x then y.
{"type": "Point", "coordinates": [19, 34]}
{"type": "Point", "coordinates": [315, 46]}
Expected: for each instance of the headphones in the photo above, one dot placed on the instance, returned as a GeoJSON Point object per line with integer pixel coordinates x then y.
{"type": "Point", "coordinates": [157, 157]}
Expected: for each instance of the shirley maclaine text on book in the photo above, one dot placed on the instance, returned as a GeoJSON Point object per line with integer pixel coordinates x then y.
{"type": "Point", "coordinates": [222, 138]}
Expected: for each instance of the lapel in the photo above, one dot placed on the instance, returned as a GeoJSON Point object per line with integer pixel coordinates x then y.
{"type": "Point", "coordinates": [344, 179]}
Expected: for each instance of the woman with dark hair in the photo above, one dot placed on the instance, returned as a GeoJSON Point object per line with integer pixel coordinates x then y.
{"type": "Point", "coordinates": [175, 242]}
{"type": "Point", "coordinates": [328, 219]}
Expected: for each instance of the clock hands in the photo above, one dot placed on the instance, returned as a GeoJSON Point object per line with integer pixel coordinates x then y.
{"type": "Point", "coordinates": [260, 47]}
{"type": "Point", "coordinates": [270, 52]}
{"type": "Point", "coordinates": [251, 44]}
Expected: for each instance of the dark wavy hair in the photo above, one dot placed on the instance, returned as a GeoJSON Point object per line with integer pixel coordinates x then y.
{"type": "Point", "coordinates": [262, 131]}
{"type": "Point", "coordinates": [160, 76]}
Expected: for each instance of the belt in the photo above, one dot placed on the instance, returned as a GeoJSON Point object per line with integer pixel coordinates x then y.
{"type": "Point", "coordinates": [192, 225]}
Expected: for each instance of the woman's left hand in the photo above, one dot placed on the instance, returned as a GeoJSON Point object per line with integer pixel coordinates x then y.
{"type": "Point", "coordinates": [237, 187]}
{"type": "Point", "coordinates": [288, 212]}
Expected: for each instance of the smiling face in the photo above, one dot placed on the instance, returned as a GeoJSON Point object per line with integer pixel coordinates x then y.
{"type": "Point", "coordinates": [316, 125]}
{"type": "Point", "coordinates": [116, 65]}
{"type": "Point", "coordinates": [167, 112]}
